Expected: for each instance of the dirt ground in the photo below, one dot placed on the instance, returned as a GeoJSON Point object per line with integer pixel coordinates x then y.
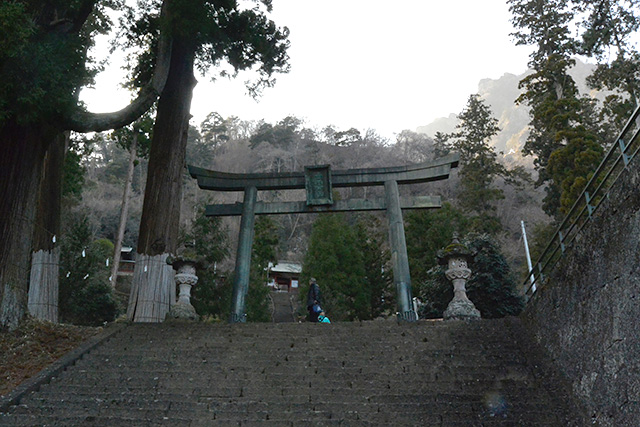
{"type": "Point", "coordinates": [33, 346]}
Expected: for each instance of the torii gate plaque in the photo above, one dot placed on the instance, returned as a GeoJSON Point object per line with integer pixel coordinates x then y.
{"type": "Point", "coordinates": [318, 182]}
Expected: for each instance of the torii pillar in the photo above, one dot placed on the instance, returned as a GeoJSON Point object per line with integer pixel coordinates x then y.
{"type": "Point", "coordinates": [243, 256]}
{"type": "Point", "coordinates": [399, 256]}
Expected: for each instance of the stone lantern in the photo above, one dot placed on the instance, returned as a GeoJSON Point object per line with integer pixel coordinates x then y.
{"type": "Point", "coordinates": [184, 263]}
{"type": "Point", "coordinates": [455, 257]}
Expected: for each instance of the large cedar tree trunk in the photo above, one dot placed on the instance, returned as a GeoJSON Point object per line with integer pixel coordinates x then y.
{"type": "Point", "coordinates": [153, 288]}
{"type": "Point", "coordinates": [45, 256]}
{"type": "Point", "coordinates": [23, 149]}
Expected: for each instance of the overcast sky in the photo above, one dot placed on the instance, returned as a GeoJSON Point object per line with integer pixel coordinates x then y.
{"type": "Point", "coordinates": [368, 64]}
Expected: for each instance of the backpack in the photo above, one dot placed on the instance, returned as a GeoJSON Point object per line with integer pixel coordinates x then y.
{"type": "Point", "coordinates": [323, 319]}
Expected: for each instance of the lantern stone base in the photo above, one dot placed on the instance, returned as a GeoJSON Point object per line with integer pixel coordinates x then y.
{"type": "Point", "coordinates": [182, 311]}
{"type": "Point", "coordinates": [461, 310]}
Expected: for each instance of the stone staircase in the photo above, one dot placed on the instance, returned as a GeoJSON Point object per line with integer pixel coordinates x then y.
{"type": "Point", "coordinates": [380, 373]}
{"type": "Point", "coordinates": [282, 310]}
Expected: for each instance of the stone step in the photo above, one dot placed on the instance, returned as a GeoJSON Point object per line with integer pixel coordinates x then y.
{"type": "Point", "coordinates": [279, 403]}
{"type": "Point", "coordinates": [433, 420]}
{"type": "Point", "coordinates": [356, 340]}
{"type": "Point", "coordinates": [374, 353]}
{"type": "Point", "coordinates": [369, 373]}
{"type": "Point", "coordinates": [357, 417]}
{"type": "Point", "coordinates": [436, 392]}
{"type": "Point", "coordinates": [364, 386]}
{"type": "Point", "coordinates": [215, 370]}
{"type": "Point", "coordinates": [93, 420]}
{"type": "Point", "coordinates": [371, 357]}
{"type": "Point", "coordinates": [390, 414]}
{"type": "Point", "coordinates": [291, 364]}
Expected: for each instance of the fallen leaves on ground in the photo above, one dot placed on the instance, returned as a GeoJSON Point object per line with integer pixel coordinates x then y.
{"type": "Point", "coordinates": [35, 345]}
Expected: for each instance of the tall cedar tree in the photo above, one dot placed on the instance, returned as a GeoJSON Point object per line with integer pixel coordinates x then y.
{"type": "Point", "coordinates": [334, 258]}
{"type": "Point", "coordinates": [43, 52]}
{"type": "Point", "coordinates": [479, 164]}
{"type": "Point", "coordinates": [45, 254]}
{"type": "Point", "coordinates": [42, 67]}
{"type": "Point", "coordinates": [205, 33]}
{"type": "Point", "coordinates": [609, 26]}
{"type": "Point", "coordinates": [557, 112]}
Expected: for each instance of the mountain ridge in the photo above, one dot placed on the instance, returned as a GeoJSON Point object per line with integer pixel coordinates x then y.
{"type": "Point", "coordinates": [500, 95]}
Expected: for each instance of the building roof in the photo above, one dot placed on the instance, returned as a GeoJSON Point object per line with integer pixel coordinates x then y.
{"type": "Point", "coordinates": [287, 267]}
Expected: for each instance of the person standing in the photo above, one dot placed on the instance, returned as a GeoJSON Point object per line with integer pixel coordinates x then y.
{"type": "Point", "coordinates": [314, 301]}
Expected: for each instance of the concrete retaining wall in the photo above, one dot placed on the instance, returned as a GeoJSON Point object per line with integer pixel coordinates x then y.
{"type": "Point", "coordinates": [588, 315]}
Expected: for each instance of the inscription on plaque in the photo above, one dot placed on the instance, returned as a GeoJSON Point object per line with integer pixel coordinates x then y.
{"type": "Point", "coordinates": [317, 181]}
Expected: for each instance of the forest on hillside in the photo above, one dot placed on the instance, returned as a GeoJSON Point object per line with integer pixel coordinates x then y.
{"type": "Point", "coordinates": [233, 145]}
{"type": "Point", "coordinates": [243, 147]}
{"type": "Point", "coordinates": [66, 170]}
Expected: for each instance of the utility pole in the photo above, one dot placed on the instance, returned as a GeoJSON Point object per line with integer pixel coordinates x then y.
{"type": "Point", "coordinates": [125, 208]}
{"type": "Point", "coordinates": [526, 250]}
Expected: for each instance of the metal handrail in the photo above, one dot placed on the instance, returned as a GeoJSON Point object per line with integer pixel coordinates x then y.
{"type": "Point", "coordinates": [587, 203]}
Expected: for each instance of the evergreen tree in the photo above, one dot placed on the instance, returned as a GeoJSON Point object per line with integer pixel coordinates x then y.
{"type": "Point", "coordinates": [427, 231]}
{"type": "Point", "coordinates": [278, 146]}
{"type": "Point", "coordinates": [440, 147]}
{"type": "Point", "coordinates": [346, 138]}
{"type": "Point", "coordinates": [205, 143]}
{"type": "Point", "coordinates": [43, 62]}
{"type": "Point", "coordinates": [264, 252]}
{"type": "Point", "coordinates": [86, 298]}
{"type": "Point", "coordinates": [492, 287]}
{"type": "Point", "coordinates": [377, 266]}
{"type": "Point", "coordinates": [540, 237]}
{"type": "Point", "coordinates": [609, 26]}
{"type": "Point", "coordinates": [282, 135]}
{"type": "Point", "coordinates": [211, 295]}
{"type": "Point", "coordinates": [557, 112]}
{"type": "Point", "coordinates": [73, 174]}
{"type": "Point", "coordinates": [215, 129]}
{"type": "Point", "coordinates": [334, 258]}
{"type": "Point", "coordinates": [573, 165]}
{"type": "Point", "coordinates": [479, 164]}
{"type": "Point", "coordinates": [434, 292]}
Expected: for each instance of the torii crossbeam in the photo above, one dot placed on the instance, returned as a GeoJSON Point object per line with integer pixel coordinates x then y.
{"type": "Point", "coordinates": [318, 182]}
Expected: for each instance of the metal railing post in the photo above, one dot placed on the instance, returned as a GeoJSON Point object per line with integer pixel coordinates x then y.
{"type": "Point", "coordinates": [590, 207]}
{"type": "Point", "coordinates": [600, 182]}
{"type": "Point", "coordinates": [623, 148]}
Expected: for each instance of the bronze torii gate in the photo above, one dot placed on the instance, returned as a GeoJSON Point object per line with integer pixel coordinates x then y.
{"type": "Point", "coordinates": [318, 182]}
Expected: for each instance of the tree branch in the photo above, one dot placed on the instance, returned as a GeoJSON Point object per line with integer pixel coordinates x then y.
{"type": "Point", "coordinates": [86, 121]}
{"type": "Point", "coordinates": [86, 7]}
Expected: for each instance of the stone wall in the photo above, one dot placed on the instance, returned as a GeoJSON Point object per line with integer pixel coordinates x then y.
{"type": "Point", "coordinates": [588, 314]}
